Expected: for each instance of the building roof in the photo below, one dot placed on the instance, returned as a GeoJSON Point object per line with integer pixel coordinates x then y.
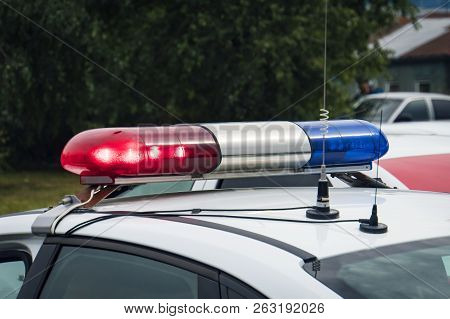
{"type": "Point", "coordinates": [437, 46]}
{"type": "Point", "coordinates": [430, 39]}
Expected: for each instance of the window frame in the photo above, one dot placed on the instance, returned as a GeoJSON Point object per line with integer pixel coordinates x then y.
{"type": "Point", "coordinates": [52, 246]}
{"type": "Point", "coordinates": [16, 255]}
{"type": "Point", "coordinates": [9, 255]}
{"type": "Point", "coordinates": [418, 83]}
{"type": "Point", "coordinates": [392, 84]}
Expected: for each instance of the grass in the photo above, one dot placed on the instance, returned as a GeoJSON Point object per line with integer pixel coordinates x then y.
{"type": "Point", "coordinates": [20, 191]}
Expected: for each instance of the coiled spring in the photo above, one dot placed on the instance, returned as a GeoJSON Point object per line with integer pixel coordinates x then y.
{"type": "Point", "coordinates": [324, 116]}
{"type": "Point", "coordinates": [316, 267]}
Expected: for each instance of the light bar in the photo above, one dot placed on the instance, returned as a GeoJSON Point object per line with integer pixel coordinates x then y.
{"type": "Point", "coordinates": [222, 150]}
{"type": "Point", "coordinates": [347, 143]}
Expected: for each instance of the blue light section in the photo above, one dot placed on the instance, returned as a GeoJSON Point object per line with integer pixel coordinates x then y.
{"type": "Point", "coordinates": [348, 142]}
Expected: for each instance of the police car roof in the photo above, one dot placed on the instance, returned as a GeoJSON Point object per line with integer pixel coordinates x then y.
{"type": "Point", "coordinates": [426, 216]}
{"type": "Point", "coordinates": [272, 270]}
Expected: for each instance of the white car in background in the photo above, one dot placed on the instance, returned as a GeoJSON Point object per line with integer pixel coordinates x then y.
{"type": "Point", "coordinates": [403, 107]}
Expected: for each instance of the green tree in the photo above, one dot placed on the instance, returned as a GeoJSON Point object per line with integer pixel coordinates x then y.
{"type": "Point", "coordinates": [200, 60]}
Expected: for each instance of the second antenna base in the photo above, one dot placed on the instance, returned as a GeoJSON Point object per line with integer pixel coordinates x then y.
{"type": "Point", "coordinates": [316, 213]}
{"type": "Point", "coordinates": [379, 228]}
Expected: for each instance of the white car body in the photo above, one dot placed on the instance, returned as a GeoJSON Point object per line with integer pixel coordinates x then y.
{"type": "Point", "coordinates": [272, 271]}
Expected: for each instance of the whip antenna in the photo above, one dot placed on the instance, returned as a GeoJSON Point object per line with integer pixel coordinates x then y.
{"type": "Point", "coordinates": [372, 226]}
{"type": "Point", "coordinates": [322, 209]}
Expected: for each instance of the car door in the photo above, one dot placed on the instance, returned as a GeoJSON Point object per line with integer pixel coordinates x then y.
{"type": "Point", "coordinates": [94, 268]}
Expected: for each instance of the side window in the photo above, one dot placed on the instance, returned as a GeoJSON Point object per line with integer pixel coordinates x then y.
{"type": "Point", "coordinates": [13, 267]}
{"type": "Point", "coordinates": [441, 109]}
{"type": "Point", "coordinates": [97, 273]}
{"type": "Point", "coordinates": [414, 111]}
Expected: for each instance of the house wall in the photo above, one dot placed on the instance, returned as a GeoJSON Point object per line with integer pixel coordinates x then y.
{"type": "Point", "coordinates": [418, 75]}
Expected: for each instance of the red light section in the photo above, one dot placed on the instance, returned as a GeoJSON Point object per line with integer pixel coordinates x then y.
{"type": "Point", "coordinates": [425, 172]}
{"type": "Point", "coordinates": [141, 151]}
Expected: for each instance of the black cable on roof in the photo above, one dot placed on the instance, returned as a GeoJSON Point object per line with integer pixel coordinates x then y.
{"type": "Point", "coordinates": [192, 210]}
{"type": "Point", "coordinates": [89, 222]}
{"type": "Point", "coordinates": [194, 213]}
{"type": "Point", "coordinates": [247, 209]}
{"type": "Point", "coordinates": [299, 221]}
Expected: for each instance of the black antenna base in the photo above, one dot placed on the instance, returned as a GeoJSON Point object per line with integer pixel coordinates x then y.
{"type": "Point", "coordinates": [375, 229]}
{"type": "Point", "coordinates": [322, 209]}
{"type": "Point", "coordinates": [372, 226]}
{"type": "Point", "coordinates": [318, 213]}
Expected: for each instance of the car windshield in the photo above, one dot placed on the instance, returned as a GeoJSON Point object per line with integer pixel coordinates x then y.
{"type": "Point", "coordinates": [370, 109]}
{"type": "Point", "coordinates": [234, 183]}
{"type": "Point", "coordinates": [153, 189]}
{"type": "Point", "coordinates": [419, 270]}
{"type": "Point", "coordinates": [283, 181]}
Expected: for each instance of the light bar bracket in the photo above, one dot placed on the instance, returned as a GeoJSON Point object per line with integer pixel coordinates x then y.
{"type": "Point", "coordinates": [300, 171]}
{"type": "Point", "coordinates": [45, 224]}
{"type": "Point", "coordinates": [338, 169]}
{"type": "Point", "coordinates": [42, 226]}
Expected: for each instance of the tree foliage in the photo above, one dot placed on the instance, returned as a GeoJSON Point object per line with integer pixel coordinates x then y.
{"type": "Point", "coordinates": [201, 60]}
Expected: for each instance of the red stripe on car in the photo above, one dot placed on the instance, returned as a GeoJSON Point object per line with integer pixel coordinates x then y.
{"type": "Point", "coordinates": [426, 172]}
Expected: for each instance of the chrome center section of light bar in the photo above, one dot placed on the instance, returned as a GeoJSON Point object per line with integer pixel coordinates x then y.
{"type": "Point", "coordinates": [262, 147]}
